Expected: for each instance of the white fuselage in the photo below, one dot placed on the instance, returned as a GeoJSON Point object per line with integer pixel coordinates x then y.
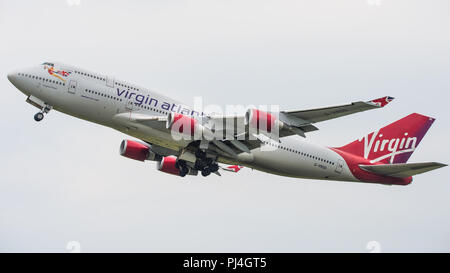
{"type": "Point", "coordinates": [98, 98]}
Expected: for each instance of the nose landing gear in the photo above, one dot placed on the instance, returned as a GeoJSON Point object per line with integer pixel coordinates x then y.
{"type": "Point", "coordinates": [40, 104]}
{"type": "Point", "coordinates": [40, 115]}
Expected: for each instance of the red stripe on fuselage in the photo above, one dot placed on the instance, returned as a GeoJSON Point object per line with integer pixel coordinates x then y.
{"type": "Point", "coordinates": [353, 163]}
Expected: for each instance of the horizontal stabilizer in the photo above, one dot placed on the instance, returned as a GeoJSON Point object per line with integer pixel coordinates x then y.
{"type": "Point", "coordinates": [402, 170]}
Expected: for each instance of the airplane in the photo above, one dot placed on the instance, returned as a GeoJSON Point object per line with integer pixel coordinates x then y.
{"type": "Point", "coordinates": [185, 141]}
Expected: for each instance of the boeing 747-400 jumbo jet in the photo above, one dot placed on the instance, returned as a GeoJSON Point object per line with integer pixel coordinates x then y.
{"type": "Point", "coordinates": [184, 141]}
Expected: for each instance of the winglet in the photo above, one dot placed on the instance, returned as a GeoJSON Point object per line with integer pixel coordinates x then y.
{"type": "Point", "coordinates": [233, 168]}
{"type": "Point", "coordinates": [382, 102]}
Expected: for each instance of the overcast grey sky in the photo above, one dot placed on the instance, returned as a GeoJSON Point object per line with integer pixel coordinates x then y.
{"type": "Point", "coordinates": [63, 180]}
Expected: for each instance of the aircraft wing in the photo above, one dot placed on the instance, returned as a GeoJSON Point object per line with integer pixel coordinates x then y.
{"type": "Point", "coordinates": [301, 121]}
{"type": "Point", "coordinates": [232, 137]}
{"type": "Point", "coordinates": [224, 144]}
{"type": "Point", "coordinates": [327, 113]}
{"type": "Point", "coordinates": [402, 170]}
{"type": "Point", "coordinates": [296, 122]}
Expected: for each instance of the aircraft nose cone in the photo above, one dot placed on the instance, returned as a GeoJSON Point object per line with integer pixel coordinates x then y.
{"type": "Point", "coordinates": [11, 77]}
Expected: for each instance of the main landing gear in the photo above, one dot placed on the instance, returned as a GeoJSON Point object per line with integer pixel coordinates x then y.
{"type": "Point", "coordinates": [184, 169]}
{"type": "Point", "coordinates": [204, 165]}
{"type": "Point", "coordinates": [40, 115]}
{"type": "Point", "coordinates": [212, 168]}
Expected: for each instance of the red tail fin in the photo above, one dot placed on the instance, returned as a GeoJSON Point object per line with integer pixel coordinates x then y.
{"type": "Point", "coordinates": [394, 143]}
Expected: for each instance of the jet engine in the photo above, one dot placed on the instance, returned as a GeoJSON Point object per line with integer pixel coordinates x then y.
{"type": "Point", "coordinates": [169, 165]}
{"type": "Point", "coordinates": [262, 121]}
{"type": "Point", "coordinates": [181, 123]}
{"type": "Point", "coordinates": [187, 126]}
{"type": "Point", "coordinates": [137, 151]}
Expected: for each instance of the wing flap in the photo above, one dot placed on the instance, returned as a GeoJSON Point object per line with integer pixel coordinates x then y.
{"type": "Point", "coordinates": [402, 170]}
{"type": "Point", "coordinates": [133, 119]}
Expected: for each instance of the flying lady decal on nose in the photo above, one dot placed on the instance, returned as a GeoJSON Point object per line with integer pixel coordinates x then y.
{"type": "Point", "coordinates": [57, 73]}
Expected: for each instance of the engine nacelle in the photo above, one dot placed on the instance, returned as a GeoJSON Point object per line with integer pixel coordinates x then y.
{"type": "Point", "coordinates": [168, 165]}
{"type": "Point", "coordinates": [137, 151]}
{"type": "Point", "coordinates": [263, 121]}
{"type": "Point", "coordinates": [181, 124]}
{"type": "Point", "coordinates": [187, 126]}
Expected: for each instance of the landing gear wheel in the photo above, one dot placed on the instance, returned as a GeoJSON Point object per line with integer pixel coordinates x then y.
{"type": "Point", "coordinates": [184, 171]}
{"type": "Point", "coordinates": [214, 168]}
{"type": "Point", "coordinates": [206, 172]}
{"type": "Point", "coordinates": [39, 116]}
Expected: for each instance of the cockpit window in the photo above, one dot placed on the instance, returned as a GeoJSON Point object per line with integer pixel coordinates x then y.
{"type": "Point", "coordinates": [49, 64]}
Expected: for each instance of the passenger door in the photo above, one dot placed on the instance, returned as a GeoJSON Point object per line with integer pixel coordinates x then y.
{"type": "Point", "coordinates": [339, 166]}
{"type": "Point", "coordinates": [72, 87]}
{"type": "Point", "coordinates": [129, 105]}
{"type": "Point", "coordinates": [109, 81]}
